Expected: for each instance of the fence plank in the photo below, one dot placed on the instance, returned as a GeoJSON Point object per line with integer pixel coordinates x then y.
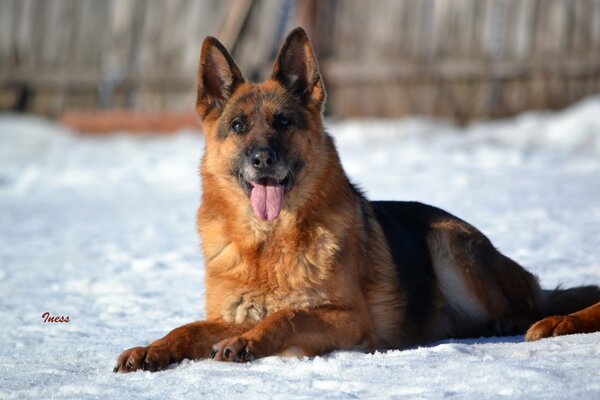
{"type": "Point", "coordinates": [6, 33]}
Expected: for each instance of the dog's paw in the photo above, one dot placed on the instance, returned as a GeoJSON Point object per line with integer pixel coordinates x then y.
{"type": "Point", "coordinates": [554, 326]}
{"type": "Point", "coordinates": [235, 349]}
{"type": "Point", "coordinates": [149, 358]}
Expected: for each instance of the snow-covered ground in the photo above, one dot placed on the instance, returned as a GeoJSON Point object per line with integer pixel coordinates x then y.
{"type": "Point", "coordinates": [102, 230]}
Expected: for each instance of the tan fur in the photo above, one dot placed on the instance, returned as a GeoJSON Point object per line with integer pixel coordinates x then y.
{"type": "Point", "coordinates": [584, 321]}
{"type": "Point", "coordinates": [385, 303]}
{"type": "Point", "coordinates": [328, 272]}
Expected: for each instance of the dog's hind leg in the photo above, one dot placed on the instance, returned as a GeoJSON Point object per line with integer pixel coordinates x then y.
{"type": "Point", "coordinates": [584, 321]}
{"type": "Point", "coordinates": [485, 292]}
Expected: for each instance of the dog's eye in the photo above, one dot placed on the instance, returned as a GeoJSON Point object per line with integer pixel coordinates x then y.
{"type": "Point", "coordinates": [282, 121]}
{"type": "Point", "coordinates": [238, 126]}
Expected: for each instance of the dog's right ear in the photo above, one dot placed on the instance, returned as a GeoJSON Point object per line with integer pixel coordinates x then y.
{"type": "Point", "coordinates": [218, 77]}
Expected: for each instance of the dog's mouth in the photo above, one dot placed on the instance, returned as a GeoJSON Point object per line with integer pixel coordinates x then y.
{"type": "Point", "coordinates": [267, 190]}
{"type": "Point", "coordinates": [266, 197]}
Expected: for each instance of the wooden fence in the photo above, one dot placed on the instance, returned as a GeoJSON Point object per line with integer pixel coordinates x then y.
{"type": "Point", "coordinates": [462, 59]}
{"type": "Point", "coordinates": [63, 54]}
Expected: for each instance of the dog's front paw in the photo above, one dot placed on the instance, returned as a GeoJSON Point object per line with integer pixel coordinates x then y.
{"type": "Point", "coordinates": [554, 326]}
{"type": "Point", "coordinates": [150, 358]}
{"type": "Point", "coordinates": [236, 349]}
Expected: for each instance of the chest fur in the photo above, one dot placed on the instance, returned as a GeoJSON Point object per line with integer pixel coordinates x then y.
{"type": "Point", "coordinates": [245, 285]}
{"type": "Point", "coordinates": [248, 305]}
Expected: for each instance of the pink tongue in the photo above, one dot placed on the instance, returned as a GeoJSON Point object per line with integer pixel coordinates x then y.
{"type": "Point", "coordinates": [266, 199]}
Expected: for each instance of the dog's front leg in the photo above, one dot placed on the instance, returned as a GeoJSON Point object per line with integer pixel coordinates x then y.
{"type": "Point", "coordinates": [307, 332]}
{"type": "Point", "coordinates": [192, 341]}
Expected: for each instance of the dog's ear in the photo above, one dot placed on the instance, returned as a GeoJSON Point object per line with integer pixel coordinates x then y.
{"type": "Point", "coordinates": [218, 76]}
{"type": "Point", "coordinates": [297, 69]}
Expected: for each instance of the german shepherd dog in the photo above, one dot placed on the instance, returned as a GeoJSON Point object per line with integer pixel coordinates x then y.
{"type": "Point", "coordinates": [299, 262]}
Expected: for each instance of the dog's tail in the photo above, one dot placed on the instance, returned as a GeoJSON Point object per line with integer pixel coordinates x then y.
{"type": "Point", "coordinates": [566, 301]}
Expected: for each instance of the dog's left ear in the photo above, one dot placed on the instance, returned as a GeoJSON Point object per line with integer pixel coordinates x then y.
{"type": "Point", "coordinates": [297, 69]}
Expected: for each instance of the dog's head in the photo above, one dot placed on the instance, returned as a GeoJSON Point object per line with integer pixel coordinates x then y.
{"type": "Point", "coordinates": [261, 137]}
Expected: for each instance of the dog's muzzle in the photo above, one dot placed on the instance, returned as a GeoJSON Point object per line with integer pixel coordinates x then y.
{"type": "Point", "coordinates": [265, 176]}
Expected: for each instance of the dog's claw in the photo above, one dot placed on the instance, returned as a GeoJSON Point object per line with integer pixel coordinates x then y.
{"type": "Point", "coordinates": [213, 353]}
{"type": "Point", "coordinates": [247, 355]}
{"type": "Point", "coordinates": [116, 368]}
{"type": "Point", "coordinates": [227, 352]}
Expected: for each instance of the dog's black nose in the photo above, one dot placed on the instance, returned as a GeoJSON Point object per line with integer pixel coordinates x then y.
{"type": "Point", "coordinates": [263, 157]}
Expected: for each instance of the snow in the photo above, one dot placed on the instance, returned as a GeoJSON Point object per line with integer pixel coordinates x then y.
{"type": "Point", "coordinates": [103, 230]}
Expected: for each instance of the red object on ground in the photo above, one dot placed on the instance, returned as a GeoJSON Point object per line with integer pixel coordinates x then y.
{"type": "Point", "coordinates": [106, 122]}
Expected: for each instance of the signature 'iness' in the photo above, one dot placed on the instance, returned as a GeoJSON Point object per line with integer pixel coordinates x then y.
{"type": "Point", "coordinates": [56, 319]}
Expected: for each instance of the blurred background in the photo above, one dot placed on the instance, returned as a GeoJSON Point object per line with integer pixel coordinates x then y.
{"type": "Point", "coordinates": [457, 59]}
